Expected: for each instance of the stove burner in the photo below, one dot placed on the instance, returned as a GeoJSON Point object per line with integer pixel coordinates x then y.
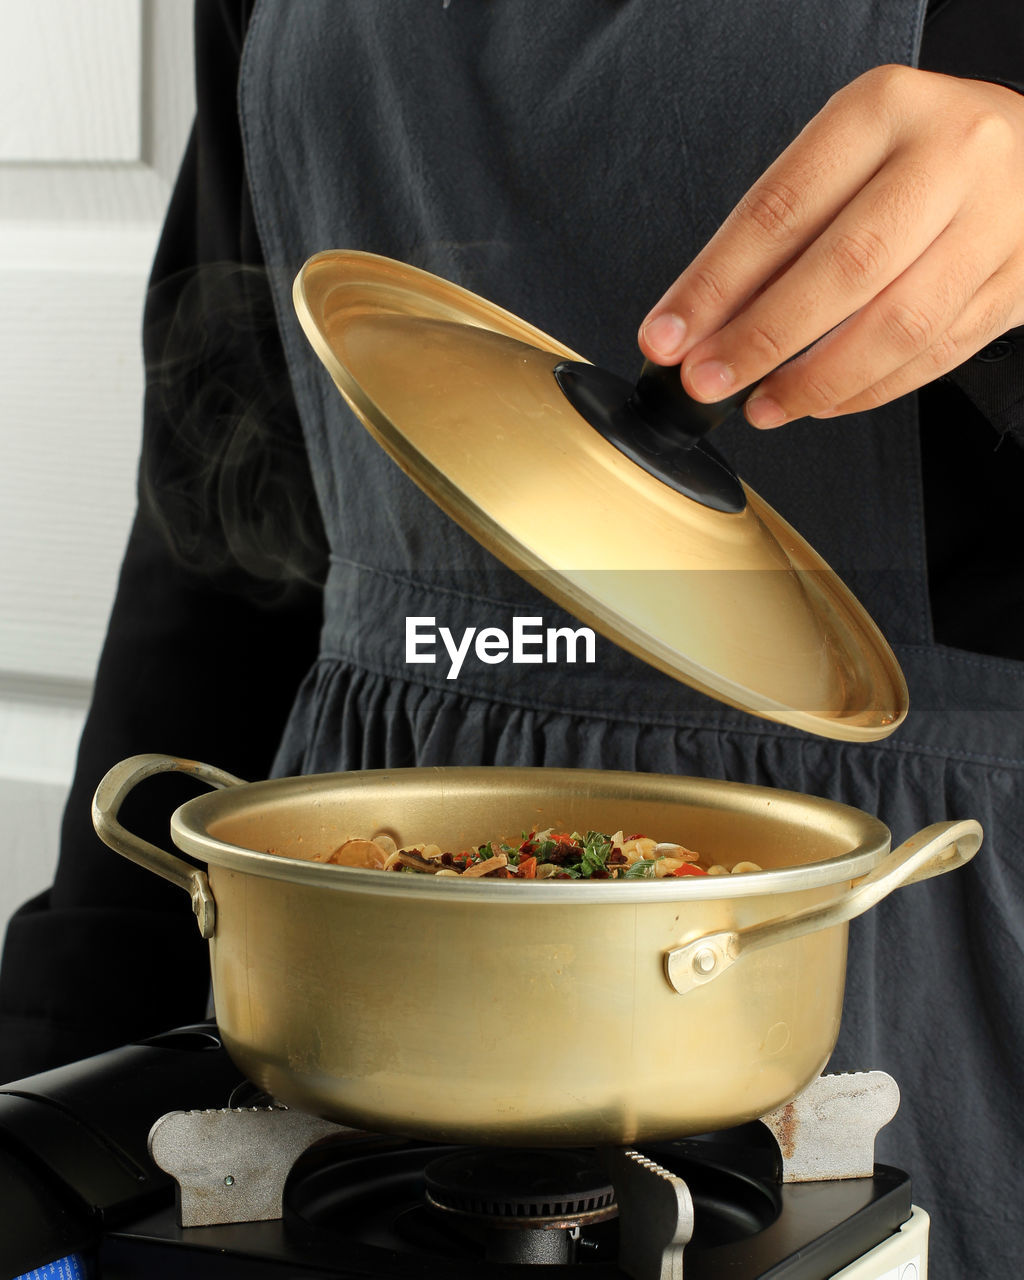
{"type": "Point", "coordinates": [522, 1188]}
{"type": "Point", "coordinates": [377, 1193]}
{"type": "Point", "coordinates": [521, 1206]}
{"type": "Point", "coordinates": [355, 1208]}
{"type": "Point", "coordinates": [355, 1205]}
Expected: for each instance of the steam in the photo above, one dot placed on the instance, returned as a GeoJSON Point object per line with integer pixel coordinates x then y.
{"type": "Point", "coordinates": [224, 469]}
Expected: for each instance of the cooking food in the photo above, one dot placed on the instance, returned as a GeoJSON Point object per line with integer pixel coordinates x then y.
{"type": "Point", "coordinates": [537, 855]}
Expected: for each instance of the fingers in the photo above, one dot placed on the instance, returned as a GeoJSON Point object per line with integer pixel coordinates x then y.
{"type": "Point", "coordinates": [786, 210]}
{"type": "Point", "coordinates": [884, 247]}
{"type": "Point", "coordinates": [927, 315]}
{"type": "Point", "coordinates": [989, 314]}
{"type": "Point", "coordinates": [886, 228]}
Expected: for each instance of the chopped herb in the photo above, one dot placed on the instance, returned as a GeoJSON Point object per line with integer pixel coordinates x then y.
{"type": "Point", "coordinates": [596, 851]}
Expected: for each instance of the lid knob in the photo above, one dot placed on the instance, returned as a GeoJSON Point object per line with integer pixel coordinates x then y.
{"type": "Point", "coordinates": [659, 397]}
{"type": "Point", "coordinates": [657, 425]}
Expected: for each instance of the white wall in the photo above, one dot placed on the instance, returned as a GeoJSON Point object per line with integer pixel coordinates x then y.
{"type": "Point", "coordinates": [95, 105]}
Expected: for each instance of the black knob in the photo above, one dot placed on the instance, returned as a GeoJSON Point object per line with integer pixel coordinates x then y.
{"type": "Point", "coordinates": [658, 426]}
{"type": "Point", "coordinates": [660, 399]}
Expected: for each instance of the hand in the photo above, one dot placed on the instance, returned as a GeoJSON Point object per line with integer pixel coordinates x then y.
{"type": "Point", "coordinates": [889, 234]}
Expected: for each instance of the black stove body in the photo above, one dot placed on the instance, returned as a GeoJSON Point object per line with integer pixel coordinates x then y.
{"type": "Point", "coordinates": [77, 1178]}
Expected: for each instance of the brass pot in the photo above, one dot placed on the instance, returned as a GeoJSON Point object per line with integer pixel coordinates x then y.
{"type": "Point", "coordinates": [541, 1013]}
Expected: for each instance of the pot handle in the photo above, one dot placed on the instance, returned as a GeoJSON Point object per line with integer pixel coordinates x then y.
{"type": "Point", "coordinates": [109, 797]}
{"type": "Point", "coordinates": [939, 848]}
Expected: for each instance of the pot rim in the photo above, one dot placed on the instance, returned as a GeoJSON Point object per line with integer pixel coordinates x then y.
{"type": "Point", "coordinates": [868, 836]}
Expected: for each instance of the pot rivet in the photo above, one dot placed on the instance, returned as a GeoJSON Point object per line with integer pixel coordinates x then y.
{"type": "Point", "coordinates": [705, 960]}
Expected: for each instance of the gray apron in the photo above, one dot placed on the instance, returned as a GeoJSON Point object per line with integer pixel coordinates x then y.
{"type": "Point", "coordinates": [566, 161]}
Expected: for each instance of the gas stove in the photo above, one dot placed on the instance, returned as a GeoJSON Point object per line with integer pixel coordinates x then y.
{"type": "Point", "coordinates": [158, 1157]}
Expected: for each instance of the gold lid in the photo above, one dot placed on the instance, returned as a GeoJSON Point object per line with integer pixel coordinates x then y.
{"type": "Point", "coordinates": [463, 396]}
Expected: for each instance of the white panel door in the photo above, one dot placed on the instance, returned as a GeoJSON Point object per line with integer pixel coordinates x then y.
{"type": "Point", "coordinates": [95, 105]}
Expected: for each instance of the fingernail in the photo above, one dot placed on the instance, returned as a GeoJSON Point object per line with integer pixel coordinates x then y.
{"type": "Point", "coordinates": [665, 334]}
{"type": "Point", "coordinates": [763, 411]}
{"type": "Point", "coordinates": [711, 379]}
{"type": "Point", "coordinates": [826, 413]}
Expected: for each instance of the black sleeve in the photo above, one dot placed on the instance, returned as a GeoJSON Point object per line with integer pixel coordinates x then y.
{"type": "Point", "coordinates": [216, 615]}
{"type": "Point", "coordinates": [984, 42]}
